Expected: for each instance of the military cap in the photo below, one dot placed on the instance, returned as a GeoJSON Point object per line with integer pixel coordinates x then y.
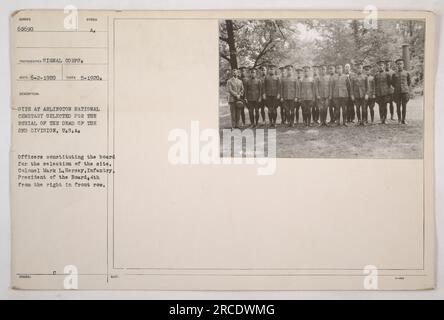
{"type": "Point", "coordinates": [399, 59]}
{"type": "Point", "coordinates": [289, 66]}
{"type": "Point", "coordinates": [306, 67]}
{"type": "Point", "coordinates": [368, 66]}
{"type": "Point", "coordinates": [380, 61]}
{"type": "Point", "coordinates": [299, 69]}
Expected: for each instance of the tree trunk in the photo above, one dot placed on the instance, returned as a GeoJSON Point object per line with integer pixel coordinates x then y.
{"type": "Point", "coordinates": [231, 44]}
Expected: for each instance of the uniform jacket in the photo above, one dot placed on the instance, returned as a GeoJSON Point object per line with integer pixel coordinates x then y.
{"type": "Point", "coordinates": [359, 85]}
{"type": "Point", "coordinates": [340, 86]}
{"type": "Point", "coordinates": [382, 84]}
{"type": "Point", "coordinates": [289, 88]}
{"type": "Point", "coordinates": [244, 82]}
{"type": "Point", "coordinates": [323, 86]}
{"type": "Point", "coordinates": [391, 72]}
{"type": "Point", "coordinates": [235, 87]}
{"type": "Point", "coordinates": [401, 82]}
{"type": "Point", "coordinates": [253, 89]}
{"type": "Point", "coordinates": [272, 86]}
{"type": "Point", "coordinates": [307, 89]}
{"type": "Point", "coordinates": [370, 86]}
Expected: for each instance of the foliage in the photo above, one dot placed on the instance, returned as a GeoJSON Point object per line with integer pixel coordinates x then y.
{"type": "Point", "coordinates": [259, 42]}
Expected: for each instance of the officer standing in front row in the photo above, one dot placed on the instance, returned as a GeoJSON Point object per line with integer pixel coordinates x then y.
{"type": "Point", "coordinates": [307, 95]}
{"type": "Point", "coordinates": [350, 103]}
{"type": "Point", "coordinates": [340, 91]}
{"type": "Point", "coordinates": [401, 81]}
{"type": "Point", "coordinates": [271, 94]}
{"type": "Point", "coordinates": [388, 69]}
{"type": "Point", "coordinates": [370, 104]}
{"type": "Point", "coordinates": [331, 110]}
{"type": "Point", "coordinates": [281, 73]}
{"type": "Point", "coordinates": [323, 93]}
{"type": "Point", "coordinates": [262, 75]}
{"type": "Point", "coordinates": [382, 90]}
{"type": "Point", "coordinates": [315, 71]}
{"type": "Point", "coordinates": [359, 96]}
{"type": "Point", "coordinates": [253, 97]}
{"type": "Point", "coordinates": [244, 77]}
{"type": "Point", "coordinates": [289, 94]}
{"type": "Point", "coordinates": [298, 104]}
{"type": "Point", "coordinates": [235, 93]}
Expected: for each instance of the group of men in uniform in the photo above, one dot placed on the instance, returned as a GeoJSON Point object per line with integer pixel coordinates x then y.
{"type": "Point", "coordinates": [318, 91]}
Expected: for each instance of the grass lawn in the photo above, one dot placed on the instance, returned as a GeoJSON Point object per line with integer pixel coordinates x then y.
{"type": "Point", "coordinates": [373, 141]}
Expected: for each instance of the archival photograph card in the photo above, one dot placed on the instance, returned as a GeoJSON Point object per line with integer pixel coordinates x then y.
{"type": "Point", "coordinates": [222, 150]}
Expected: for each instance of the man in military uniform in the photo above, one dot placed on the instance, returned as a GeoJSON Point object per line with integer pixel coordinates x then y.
{"type": "Point", "coordinates": [307, 95]}
{"type": "Point", "coordinates": [316, 105]}
{"type": "Point", "coordinates": [235, 93]}
{"type": "Point", "coordinates": [271, 94]}
{"type": "Point", "coordinates": [389, 70]}
{"type": "Point", "coordinates": [281, 73]}
{"type": "Point", "coordinates": [244, 77]}
{"type": "Point", "coordinates": [401, 81]}
{"type": "Point", "coordinates": [382, 90]}
{"type": "Point", "coordinates": [350, 104]}
{"type": "Point", "coordinates": [323, 94]}
{"type": "Point", "coordinates": [262, 76]}
{"type": "Point", "coordinates": [340, 92]}
{"type": "Point", "coordinates": [359, 88]}
{"type": "Point", "coordinates": [253, 97]}
{"type": "Point", "coordinates": [331, 72]}
{"type": "Point", "coordinates": [289, 94]}
{"type": "Point", "coordinates": [370, 103]}
{"type": "Point", "coordinates": [298, 105]}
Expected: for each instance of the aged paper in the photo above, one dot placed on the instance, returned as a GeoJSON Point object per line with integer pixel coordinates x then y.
{"type": "Point", "coordinates": [120, 179]}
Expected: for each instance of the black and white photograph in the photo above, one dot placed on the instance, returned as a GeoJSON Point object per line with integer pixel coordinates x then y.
{"type": "Point", "coordinates": [330, 88]}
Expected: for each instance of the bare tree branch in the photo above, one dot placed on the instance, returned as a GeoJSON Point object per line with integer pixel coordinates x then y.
{"type": "Point", "coordinates": [263, 51]}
